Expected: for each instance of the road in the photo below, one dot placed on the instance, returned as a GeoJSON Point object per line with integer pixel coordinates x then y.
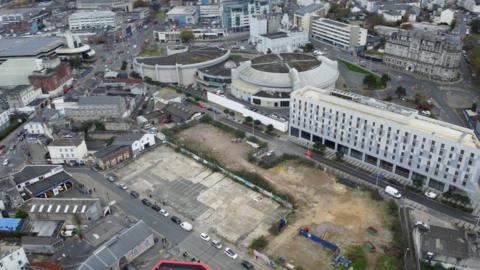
{"type": "Point", "coordinates": [180, 239]}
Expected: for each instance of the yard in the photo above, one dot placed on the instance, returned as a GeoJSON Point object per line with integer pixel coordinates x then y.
{"type": "Point", "coordinates": [371, 80]}
{"type": "Point", "coordinates": [333, 211]}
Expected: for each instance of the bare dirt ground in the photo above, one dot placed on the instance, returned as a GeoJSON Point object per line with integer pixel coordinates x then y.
{"type": "Point", "coordinates": [332, 210]}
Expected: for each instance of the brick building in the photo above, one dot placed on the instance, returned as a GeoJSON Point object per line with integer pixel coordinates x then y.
{"type": "Point", "coordinates": [52, 80]}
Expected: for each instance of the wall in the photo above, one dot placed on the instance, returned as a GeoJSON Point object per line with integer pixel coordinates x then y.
{"type": "Point", "coordinates": [240, 108]}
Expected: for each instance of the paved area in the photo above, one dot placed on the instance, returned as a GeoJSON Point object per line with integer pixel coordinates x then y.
{"type": "Point", "coordinates": [214, 203]}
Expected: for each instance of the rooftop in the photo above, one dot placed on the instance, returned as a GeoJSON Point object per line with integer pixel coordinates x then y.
{"type": "Point", "coordinates": [335, 23]}
{"type": "Point", "coordinates": [128, 139]}
{"type": "Point", "coordinates": [100, 100]}
{"type": "Point", "coordinates": [67, 142]}
{"type": "Point", "coordinates": [445, 242]}
{"type": "Point", "coordinates": [42, 240]}
{"type": "Point", "coordinates": [110, 151]}
{"type": "Point", "coordinates": [31, 171]}
{"type": "Point", "coordinates": [109, 253]}
{"type": "Point", "coordinates": [275, 35]}
{"type": "Point", "coordinates": [178, 265]}
{"type": "Point", "coordinates": [9, 224]}
{"type": "Point", "coordinates": [17, 89]}
{"type": "Point", "coordinates": [7, 248]}
{"type": "Point", "coordinates": [193, 56]}
{"type": "Point", "coordinates": [48, 183]}
{"type": "Point", "coordinates": [309, 9]}
{"type": "Point", "coordinates": [91, 13]}
{"type": "Point", "coordinates": [283, 62]}
{"type": "Point", "coordinates": [392, 112]}
{"type": "Point", "coordinates": [28, 46]}
{"type": "Point", "coordinates": [179, 10]}
{"type": "Point", "coordinates": [59, 205]}
{"type": "Point", "coordinates": [45, 115]}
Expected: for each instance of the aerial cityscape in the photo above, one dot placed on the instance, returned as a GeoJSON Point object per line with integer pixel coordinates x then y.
{"type": "Point", "coordinates": [239, 134]}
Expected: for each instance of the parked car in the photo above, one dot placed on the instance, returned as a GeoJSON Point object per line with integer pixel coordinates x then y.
{"type": "Point", "coordinates": [2, 146]}
{"type": "Point", "coordinates": [156, 207]}
{"type": "Point", "coordinates": [176, 219]}
{"type": "Point", "coordinates": [230, 253]}
{"type": "Point", "coordinates": [5, 162]}
{"type": "Point", "coordinates": [122, 186]}
{"type": "Point", "coordinates": [146, 202]}
{"type": "Point", "coordinates": [164, 213]}
{"type": "Point", "coordinates": [217, 244]}
{"type": "Point", "coordinates": [134, 194]}
{"type": "Point", "coordinates": [95, 168]}
{"type": "Point", "coordinates": [393, 192]}
{"type": "Point", "coordinates": [110, 178]}
{"type": "Point", "coordinates": [432, 195]}
{"type": "Point", "coordinates": [186, 226]}
{"type": "Point", "coordinates": [422, 225]}
{"type": "Point", "coordinates": [247, 264]}
{"type": "Point", "coordinates": [205, 237]}
{"type": "Point", "coordinates": [12, 147]}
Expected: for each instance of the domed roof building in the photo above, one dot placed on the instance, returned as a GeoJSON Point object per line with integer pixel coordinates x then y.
{"type": "Point", "coordinates": [269, 79]}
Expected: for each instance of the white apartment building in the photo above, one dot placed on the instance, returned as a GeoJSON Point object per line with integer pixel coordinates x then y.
{"type": "Point", "coordinates": [388, 136]}
{"type": "Point", "coordinates": [68, 150]}
{"type": "Point", "coordinates": [21, 95]}
{"type": "Point", "coordinates": [138, 142]}
{"type": "Point", "coordinates": [95, 19]}
{"type": "Point", "coordinates": [4, 119]}
{"type": "Point", "coordinates": [12, 257]}
{"type": "Point", "coordinates": [346, 36]}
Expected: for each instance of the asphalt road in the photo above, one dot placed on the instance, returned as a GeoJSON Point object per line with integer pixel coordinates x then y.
{"type": "Point", "coordinates": [180, 239]}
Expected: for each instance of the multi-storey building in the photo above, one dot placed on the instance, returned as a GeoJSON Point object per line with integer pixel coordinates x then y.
{"type": "Point", "coordinates": [388, 136]}
{"type": "Point", "coordinates": [184, 15]}
{"type": "Point", "coordinates": [433, 55]}
{"type": "Point", "coordinates": [97, 107]}
{"type": "Point", "coordinates": [68, 151]}
{"type": "Point", "coordinates": [21, 95]}
{"type": "Point", "coordinates": [237, 13]}
{"type": "Point", "coordinates": [12, 257]}
{"type": "Point", "coordinates": [346, 36]}
{"type": "Point", "coordinates": [303, 15]}
{"type": "Point", "coordinates": [126, 5]}
{"type": "Point", "coordinates": [4, 119]}
{"type": "Point", "coordinates": [95, 19]}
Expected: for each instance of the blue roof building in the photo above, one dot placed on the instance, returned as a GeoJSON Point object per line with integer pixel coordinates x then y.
{"type": "Point", "coordinates": [9, 224]}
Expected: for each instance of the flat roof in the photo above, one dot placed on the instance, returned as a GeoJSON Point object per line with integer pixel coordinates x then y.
{"type": "Point", "coordinates": [392, 112]}
{"type": "Point", "coordinates": [445, 242]}
{"type": "Point", "coordinates": [9, 224]}
{"type": "Point", "coordinates": [283, 62]}
{"type": "Point", "coordinates": [179, 10]}
{"type": "Point", "coordinates": [192, 56]}
{"type": "Point", "coordinates": [275, 35]}
{"type": "Point", "coordinates": [28, 46]}
{"type": "Point", "coordinates": [91, 13]}
{"type": "Point", "coordinates": [335, 23]}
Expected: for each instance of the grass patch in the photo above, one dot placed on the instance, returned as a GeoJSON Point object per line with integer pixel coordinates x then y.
{"type": "Point", "coordinates": [152, 51]}
{"type": "Point", "coordinates": [385, 262]}
{"type": "Point", "coordinates": [357, 255]}
{"type": "Point", "coordinates": [354, 67]}
{"type": "Point", "coordinates": [268, 164]}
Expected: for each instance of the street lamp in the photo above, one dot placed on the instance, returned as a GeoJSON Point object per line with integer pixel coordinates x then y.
{"type": "Point", "coordinates": [377, 178]}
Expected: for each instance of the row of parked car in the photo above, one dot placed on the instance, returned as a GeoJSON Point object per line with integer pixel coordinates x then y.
{"type": "Point", "coordinates": [228, 251]}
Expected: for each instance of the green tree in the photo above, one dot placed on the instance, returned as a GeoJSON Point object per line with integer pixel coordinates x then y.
{"type": "Point", "coordinates": [248, 119]}
{"type": "Point", "coordinates": [319, 148]}
{"type": "Point", "coordinates": [475, 26]}
{"type": "Point", "coordinates": [124, 65]}
{"type": "Point", "coordinates": [135, 75]}
{"type": "Point", "coordinates": [370, 81]}
{"type": "Point", "coordinates": [186, 35]}
{"type": "Point", "coordinates": [339, 155]}
{"type": "Point", "coordinates": [308, 47]}
{"type": "Point", "coordinates": [75, 62]}
{"type": "Point", "coordinates": [259, 243]}
{"type": "Point", "coordinates": [269, 128]}
{"type": "Point", "coordinates": [140, 3]}
{"type": "Point", "coordinates": [401, 92]}
{"type": "Point", "coordinates": [257, 122]}
{"type": "Point", "coordinates": [226, 111]}
{"type": "Point", "coordinates": [20, 213]}
{"type": "Point", "coordinates": [474, 107]}
{"type": "Point", "coordinates": [385, 78]}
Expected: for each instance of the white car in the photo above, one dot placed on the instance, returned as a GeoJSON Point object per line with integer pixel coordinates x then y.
{"type": "Point", "coordinates": [217, 244]}
{"type": "Point", "coordinates": [205, 237]}
{"type": "Point", "coordinates": [122, 186]}
{"type": "Point", "coordinates": [318, 52]}
{"type": "Point", "coordinates": [230, 253]}
{"type": "Point", "coordinates": [164, 213]}
{"type": "Point", "coordinates": [432, 195]}
{"type": "Point", "coordinates": [186, 226]}
{"type": "Point", "coordinates": [422, 225]}
{"type": "Point", "coordinates": [5, 162]}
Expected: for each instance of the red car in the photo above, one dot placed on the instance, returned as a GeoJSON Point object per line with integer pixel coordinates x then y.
{"type": "Point", "coordinates": [2, 146]}
{"type": "Point", "coordinates": [201, 105]}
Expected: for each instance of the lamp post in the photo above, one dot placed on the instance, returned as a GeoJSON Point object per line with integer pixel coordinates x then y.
{"type": "Point", "coordinates": [377, 178]}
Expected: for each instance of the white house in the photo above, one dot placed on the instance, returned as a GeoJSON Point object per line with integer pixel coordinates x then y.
{"type": "Point", "coordinates": [4, 119]}
{"type": "Point", "coordinates": [31, 174]}
{"type": "Point", "coordinates": [68, 150]}
{"type": "Point", "coordinates": [137, 141]}
{"type": "Point", "coordinates": [12, 257]}
{"type": "Point", "coordinates": [39, 125]}
{"type": "Point", "coordinates": [446, 16]}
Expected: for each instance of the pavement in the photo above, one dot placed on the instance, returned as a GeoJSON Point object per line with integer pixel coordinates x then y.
{"type": "Point", "coordinates": [179, 239]}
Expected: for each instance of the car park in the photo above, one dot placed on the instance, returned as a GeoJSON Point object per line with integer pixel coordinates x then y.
{"type": "Point", "coordinates": [205, 237]}
{"type": "Point", "coordinates": [247, 265]}
{"type": "Point", "coordinates": [186, 226]}
{"type": "Point", "coordinates": [164, 213]}
{"type": "Point", "coordinates": [230, 253]}
{"type": "Point", "coordinates": [146, 202]}
{"type": "Point", "coordinates": [217, 244]}
{"type": "Point", "coordinates": [134, 194]}
{"type": "Point", "coordinates": [156, 207]}
{"type": "Point", "coordinates": [176, 219]}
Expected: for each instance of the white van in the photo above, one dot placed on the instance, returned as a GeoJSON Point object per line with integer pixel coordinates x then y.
{"type": "Point", "coordinates": [393, 192]}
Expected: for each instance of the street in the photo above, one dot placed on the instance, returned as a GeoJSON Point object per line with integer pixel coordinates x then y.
{"type": "Point", "coordinates": [180, 239]}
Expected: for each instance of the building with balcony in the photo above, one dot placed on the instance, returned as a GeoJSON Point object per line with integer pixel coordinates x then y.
{"type": "Point", "coordinates": [345, 36]}
{"type": "Point", "coordinates": [89, 20]}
